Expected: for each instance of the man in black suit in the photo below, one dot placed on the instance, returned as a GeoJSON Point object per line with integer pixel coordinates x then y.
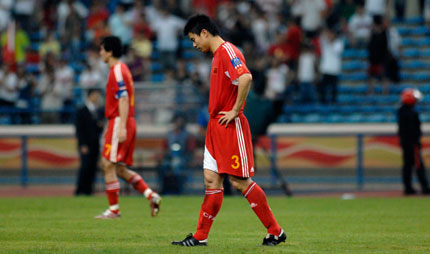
{"type": "Point", "coordinates": [89, 127]}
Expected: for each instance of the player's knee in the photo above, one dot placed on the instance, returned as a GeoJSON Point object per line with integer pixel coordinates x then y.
{"type": "Point", "coordinates": [120, 171]}
{"type": "Point", "coordinates": [239, 183]}
{"type": "Point", "coordinates": [107, 166]}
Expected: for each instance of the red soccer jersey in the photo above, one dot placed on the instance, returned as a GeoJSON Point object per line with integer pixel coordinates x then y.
{"type": "Point", "coordinates": [228, 64]}
{"type": "Point", "coordinates": [119, 84]}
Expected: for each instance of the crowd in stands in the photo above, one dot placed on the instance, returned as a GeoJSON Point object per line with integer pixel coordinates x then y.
{"type": "Point", "coordinates": [293, 47]}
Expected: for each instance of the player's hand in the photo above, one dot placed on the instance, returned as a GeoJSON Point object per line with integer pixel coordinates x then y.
{"type": "Point", "coordinates": [122, 135]}
{"type": "Point", "coordinates": [227, 117]}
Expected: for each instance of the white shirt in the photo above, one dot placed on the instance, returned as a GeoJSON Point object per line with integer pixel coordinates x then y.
{"type": "Point", "coordinates": [167, 29]}
{"type": "Point", "coordinates": [119, 24]}
{"type": "Point", "coordinates": [306, 68]}
{"type": "Point", "coordinates": [331, 56]}
{"type": "Point", "coordinates": [64, 76]}
{"type": "Point", "coordinates": [9, 89]}
{"type": "Point", "coordinates": [5, 7]}
{"type": "Point", "coordinates": [375, 7]}
{"type": "Point", "coordinates": [276, 81]}
{"type": "Point", "coordinates": [311, 13]}
{"type": "Point", "coordinates": [90, 79]}
{"type": "Point", "coordinates": [360, 26]}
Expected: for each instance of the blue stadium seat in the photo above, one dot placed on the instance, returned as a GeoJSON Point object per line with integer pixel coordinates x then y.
{"type": "Point", "coordinates": [156, 78]}
{"type": "Point", "coordinates": [411, 52]}
{"type": "Point", "coordinates": [186, 43]}
{"type": "Point", "coordinates": [156, 67]}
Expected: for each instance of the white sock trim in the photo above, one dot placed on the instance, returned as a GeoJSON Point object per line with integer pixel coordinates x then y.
{"type": "Point", "coordinates": [114, 207]}
{"type": "Point", "coordinates": [147, 192]}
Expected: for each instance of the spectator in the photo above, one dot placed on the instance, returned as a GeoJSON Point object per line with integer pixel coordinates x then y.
{"type": "Point", "coordinates": [378, 51]}
{"type": "Point", "coordinates": [66, 8]}
{"type": "Point", "coordinates": [392, 67]}
{"type": "Point", "coordinates": [277, 84]}
{"type": "Point", "coordinates": [307, 73]}
{"type": "Point", "coordinates": [64, 77]}
{"type": "Point", "coordinates": [400, 6]}
{"type": "Point", "coordinates": [141, 44]}
{"type": "Point", "coordinates": [23, 10]}
{"type": "Point", "coordinates": [167, 29]}
{"type": "Point", "coordinates": [279, 48]}
{"type": "Point", "coordinates": [136, 66]}
{"type": "Point", "coordinates": [330, 65]}
{"type": "Point", "coordinates": [28, 98]}
{"type": "Point", "coordinates": [293, 41]}
{"type": "Point", "coordinates": [73, 25]}
{"type": "Point", "coordinates": [179, 147]}
{"type": "Point", "coordinates": [426, 12]}
{"type": "Point", "coordinates": [52, 96]}
{"type": "Point", "coordinates": [90, 78]}
{"type": "Point", "coordinates": [359, 27]}
{"type": "Point", "coordinates": [5, 11]}
{"type": "Point", "coordinates": [9, 87]}
{"type": "Point", "coordinates": [120, 24]}
{"type": "Point", "coordinates": [22, 42]}
{"type": "Point", "coordinates": [51, 44]}
{"type": "Point", "coordinates": [260, 29]}
{"type": "Point", "coordinates": [277, 80]}
{"type": "Point", "coordinates": [311, 12]}
{"type": "Point", "coordinates": [376, 7]}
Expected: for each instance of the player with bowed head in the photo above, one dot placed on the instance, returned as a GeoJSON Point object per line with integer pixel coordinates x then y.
{"type": "Point", "coordinates": [120, 137]}
{"type": "Point", "coordinates": [228, 146]}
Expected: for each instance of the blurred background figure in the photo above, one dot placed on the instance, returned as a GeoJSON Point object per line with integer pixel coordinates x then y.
{"type": "Point", "coordinates": [89, 127]}
{"type": "Point", "coordinates": [330, 65]}
{"type": "Point", "coordinates": [410, 140]}
{"type": "Point", "coordinates": [179, 147]}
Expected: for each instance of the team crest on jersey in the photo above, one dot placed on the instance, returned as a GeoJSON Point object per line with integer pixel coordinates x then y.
{"type": "Point", "coordinates": [236, 62]}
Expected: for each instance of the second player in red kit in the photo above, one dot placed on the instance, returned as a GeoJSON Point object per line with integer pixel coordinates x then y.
{"type": "Point", "coordinates": [120, 136]}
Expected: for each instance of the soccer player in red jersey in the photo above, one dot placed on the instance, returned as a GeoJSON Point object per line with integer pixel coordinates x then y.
{"type": "Point", "coordinates": [120, 137]}
{"type": "Point", "coordinates": [228, 148]}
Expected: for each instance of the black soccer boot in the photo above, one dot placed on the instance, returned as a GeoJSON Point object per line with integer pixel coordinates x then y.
{"type": "Point", "coordinates": [190, 241]}
{"type": "Point", "coordinates": [272, 240]}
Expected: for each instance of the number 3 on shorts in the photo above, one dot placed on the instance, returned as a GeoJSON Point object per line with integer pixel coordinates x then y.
{"type": "Point", "coordinates": [236, 164]}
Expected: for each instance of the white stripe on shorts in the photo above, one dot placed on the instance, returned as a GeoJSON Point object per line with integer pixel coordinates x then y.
{"type": "Point", "coordinates": [115, 140]}
{"type": "Point", "coordinates": [242, 148]}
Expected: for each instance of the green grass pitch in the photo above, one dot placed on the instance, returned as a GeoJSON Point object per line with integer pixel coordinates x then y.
{"type": "Point", "coordinates": [313, 225]}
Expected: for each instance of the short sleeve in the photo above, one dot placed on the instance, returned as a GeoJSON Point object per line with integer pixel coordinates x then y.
{"type": "Point", "coordinates": [234, 62]}
{"type": "Point", "coordinates": [120, 88]}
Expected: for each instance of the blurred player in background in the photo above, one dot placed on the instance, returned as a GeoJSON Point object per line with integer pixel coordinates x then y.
{"type": "Point", "coordinates": [410, 141]}
{"type": "Point", "coordinates": [228, 145]}
{"type": "Point", "coordinates": [120, 137]}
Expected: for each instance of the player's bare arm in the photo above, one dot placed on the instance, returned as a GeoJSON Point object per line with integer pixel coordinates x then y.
{"type": "Point", "coordinates": [123, 115]}
{"type": "Point", "coordinates": [243, 89]}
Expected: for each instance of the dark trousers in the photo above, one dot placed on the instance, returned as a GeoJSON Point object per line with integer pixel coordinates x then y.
{"type": "Point", "coordinates": [328, 86]}
{"type": "Point", "coordinates": [87, 174]}
{"type": "Point", "coordinates": [412, 160]}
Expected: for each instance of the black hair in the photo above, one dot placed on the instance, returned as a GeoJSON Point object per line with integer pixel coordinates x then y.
{"type": "Point", "coordinates": [112, 44]}
{"type": "Point", "coordinates": [93, 90]}
{"type": "Point", "coordinates": [198, 22]}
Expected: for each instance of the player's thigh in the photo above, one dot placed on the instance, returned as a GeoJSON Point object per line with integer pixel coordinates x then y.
{"type": "Point", "coordinates": [213, 180]}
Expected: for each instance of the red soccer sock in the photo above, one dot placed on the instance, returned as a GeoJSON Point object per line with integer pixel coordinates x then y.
{"type": "Point", "coordinates": [112, 192]}
{"type": "Point", "coordinates": [140, 185]}
{"type": "Point", "coordinates": [257, 199]}
{"type": "Point", "coordinates": [210, 208]}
